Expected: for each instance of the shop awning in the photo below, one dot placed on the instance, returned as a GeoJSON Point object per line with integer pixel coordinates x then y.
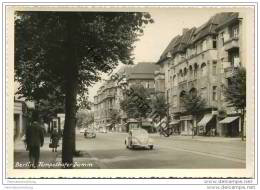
{"type": "Point", "coordinates": [174, 122]}
{"type": "Point", "coordinates": [228, 120]}
{"type": "Point", "coordinates": [205, 120]}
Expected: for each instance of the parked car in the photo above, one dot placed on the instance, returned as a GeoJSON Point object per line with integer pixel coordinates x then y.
{"type": "Point", "coordinates": [138, 138]}
{"type": "Point", "coordinates": [82, 130]}
{"type": "Point", "coordinates": [89, 133]}
{"type": "Point", "coordinates": [102, 130]}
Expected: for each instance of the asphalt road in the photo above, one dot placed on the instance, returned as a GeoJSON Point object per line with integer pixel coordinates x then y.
{"type": "Point", "coordinates": [108, 151]}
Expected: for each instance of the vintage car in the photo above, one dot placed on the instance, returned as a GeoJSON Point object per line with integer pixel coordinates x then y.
{"type": "Point", "coordinates": [89, 133]}
{"type": "Point", "coordinates": [138, 138]}
{"type": "Point", "coordinates": [82, 130]}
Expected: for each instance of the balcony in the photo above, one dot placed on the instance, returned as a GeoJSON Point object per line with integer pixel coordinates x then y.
{"type": "Point", "coordinates": [231, 43]}
{"type": "Point", "coordinates": [229, 71]}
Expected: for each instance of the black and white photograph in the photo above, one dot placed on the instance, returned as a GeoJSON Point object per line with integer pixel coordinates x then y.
{"type": "Point", "coordinates": [134, 89]}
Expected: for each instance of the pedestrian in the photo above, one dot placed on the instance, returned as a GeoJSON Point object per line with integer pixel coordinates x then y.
{"type": "Point", "coordinates": [34, 140]}
{"type": "Point", "coordinates": [213, 132]}
{"type": "Point", "coordinates": [55, 137]}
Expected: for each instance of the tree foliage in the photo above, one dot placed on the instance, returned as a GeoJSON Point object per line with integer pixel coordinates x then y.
{"type": "Point", "coordinates": [159, 105]}
{"type": "Point", "coordinates": [63, 53]}
{"type": "Point", "coordinates": [114, 116]}
{"type": "Point", "coordinates": [43, 45]}
{"type": "Point", "coordinates": [193, 103]}
{"type": "Point", "coordinates": [235, 92]}
{"type": "Point", "coordinates": [137, 104]}
{"type": "Point", "coordinates": [84, 118]}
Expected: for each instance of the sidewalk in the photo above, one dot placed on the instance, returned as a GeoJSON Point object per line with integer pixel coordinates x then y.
{"type": "Point", "coordinates": [47, 157]}
{"type": "Point", "coordinates": [200, 138]}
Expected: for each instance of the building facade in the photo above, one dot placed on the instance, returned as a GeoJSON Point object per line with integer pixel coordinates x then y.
{"type": "Point", "coordinates": [110, 94]}
{"type": "Point", "coordinates": [201, 61]}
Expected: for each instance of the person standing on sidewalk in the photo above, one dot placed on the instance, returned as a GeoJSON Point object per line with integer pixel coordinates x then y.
{"type": "Point", "coordinates": [55, 137]}
{"type": "Point", "coordinates": [34, 140]}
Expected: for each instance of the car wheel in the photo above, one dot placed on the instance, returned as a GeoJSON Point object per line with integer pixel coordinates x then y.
{"type": "Point", "coordinates": [131, 145]}
{"type": "Point", "coordinates": [151, 147]}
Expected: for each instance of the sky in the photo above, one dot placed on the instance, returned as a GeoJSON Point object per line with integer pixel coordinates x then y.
{"type": "Point", "coordinates": [169, 23]}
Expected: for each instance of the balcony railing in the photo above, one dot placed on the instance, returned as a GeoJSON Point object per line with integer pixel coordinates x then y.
{"type": "Point", "coordinates": [229, 71]}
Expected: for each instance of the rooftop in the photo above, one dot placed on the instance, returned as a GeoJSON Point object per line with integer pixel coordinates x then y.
{"type": "Point", "coordinates": [180, 42]}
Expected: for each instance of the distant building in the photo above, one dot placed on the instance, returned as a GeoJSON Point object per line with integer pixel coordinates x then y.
{"type": "Point", "coordinates": [200, 61]}
{"type": "Point", "coordinates": [110, 94]}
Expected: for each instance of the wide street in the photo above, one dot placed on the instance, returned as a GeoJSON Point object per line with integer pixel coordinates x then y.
{"type": "Point", "coordinates": [108, 151]}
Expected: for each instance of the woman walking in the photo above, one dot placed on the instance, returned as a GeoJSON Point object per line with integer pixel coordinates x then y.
{"type": "Point", "coordinates": [55, 137]}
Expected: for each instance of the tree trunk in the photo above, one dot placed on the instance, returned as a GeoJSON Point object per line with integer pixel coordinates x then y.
{"type": "Point", "coordinates": [69, 128]}
{"type": "Point", "coordinates": [71, 73]}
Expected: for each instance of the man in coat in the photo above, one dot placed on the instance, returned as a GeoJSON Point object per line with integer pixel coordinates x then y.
{"type": "Point", "coordinates": [34, 140]}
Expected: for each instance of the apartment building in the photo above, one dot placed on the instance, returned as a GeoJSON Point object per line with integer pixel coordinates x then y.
{"type": "Point", "coordinates": [110, 94]}
{"type": "Point", "coordinates": [200, 61]}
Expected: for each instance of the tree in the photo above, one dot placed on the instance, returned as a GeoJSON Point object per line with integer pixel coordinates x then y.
{"type": "Point", "coordinates": [63, 53]}
{"type": "Point", "coordinates": [114, 116]}
{"type": "Point", "coordinates": [194, 104]}
{"type": "Point", "coordinates": [84, 118]}
{"type": "Point", "coordinates": [136, 104]}
{"type": "Point", "coordinates": [235, 93]}
{"type": "Point", "coordinates": [160, 106]}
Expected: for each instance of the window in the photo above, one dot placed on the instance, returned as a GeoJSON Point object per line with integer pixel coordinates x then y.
{"type": "Point", "coordinates": [235, 32]}
{"type": "Point", "coordinates": [190, 72]}
{"type": "Point", "coordinates": [221, 37]}
{"type": "Point", "coordinates": [195, 70]}
{"type": "Point", "coordinates": [236, 61]}
{"type": "Point", "coordinates": [214, 93]}
{"type": "Point", "coordinates": [222, 92]}
{"type": "Point", "coordinates": [185, 74]}
{"type": "Point", "coordinates": [203, 69]}
{"type": "Point", "coordinates": [174, 100]}
{"type": "Point", "coordinates": [182, 126]}
{"type": "Point", "coordinates": [174, 81]}
{"type": "Point", "coordinates": [204, 45]}
{"type": "Point", "coordinates": [214, 68]}
{"type": "Point", "coordinates": [204, 93]}
{"type": "Point", "coordinates": [147, 85]}
{"type": "Point", "coordinates": [214, 45]}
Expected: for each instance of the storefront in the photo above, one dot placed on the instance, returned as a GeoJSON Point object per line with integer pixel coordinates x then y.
{"type": "Point", "coordinates": [207, 125]}
{"type": "Point", "coordinates": [230, 127]}
{"type": "Point", "coordinates": [175, 124]}
{"type": "Point", "coordinates": [186, 124]}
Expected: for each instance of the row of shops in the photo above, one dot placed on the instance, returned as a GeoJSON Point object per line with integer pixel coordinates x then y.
{"type": "Point", "coordinates": [208, 125]}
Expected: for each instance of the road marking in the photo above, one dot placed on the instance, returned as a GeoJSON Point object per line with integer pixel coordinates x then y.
{"type": "Point", "coordinates": [208, 154]}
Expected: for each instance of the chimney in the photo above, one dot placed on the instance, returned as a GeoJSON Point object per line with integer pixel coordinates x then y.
{"type": "Point", "coordinates": [184, 30]}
